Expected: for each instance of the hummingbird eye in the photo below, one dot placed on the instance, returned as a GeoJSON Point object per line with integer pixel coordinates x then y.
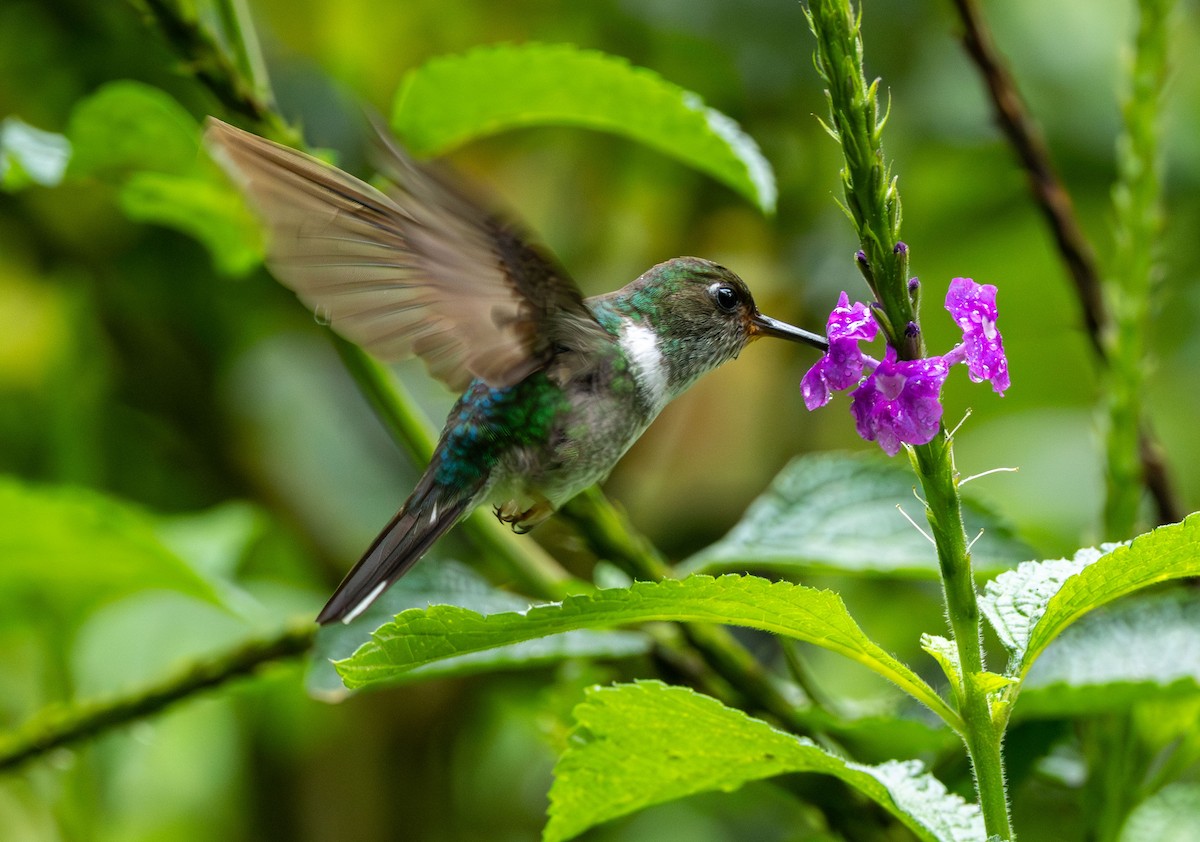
{"type": "Point", "coordinates": [727, 297]}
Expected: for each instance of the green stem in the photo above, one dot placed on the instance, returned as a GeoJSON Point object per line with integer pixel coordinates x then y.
{"type": "Point", "coordinates": [247, 52]}
{"type": "Point", "coordinates": [54, 728]}
{"type": "Point", "coordinates": [398, 414]}
{"type": "Point", "coordinates": [1115, 769]}
{"type": "Point", "coordinates": [1128, 288]}
{"type": "Point", "coordinates": [207, 60]}
{"type": "Point", "coordinates": [934, 464]}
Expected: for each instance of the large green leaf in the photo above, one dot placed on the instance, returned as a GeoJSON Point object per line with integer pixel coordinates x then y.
{"type": "Point", "coordinates": [837, 513]}
{"type": "Point", "coordinates": [1033, 604]}
{"type": "Point", "coordinates": [72, 549]}
{"type": "Point", "coordinates": [442, 581]}
{"type": "Point", "coordinates": [646, 743]}
{"type": "Point", "coordinates": [1132, 651]}
{"type": "Point", "coordinates": [454, 99]}
{"type": "Point", "coordinates": [417, 637]}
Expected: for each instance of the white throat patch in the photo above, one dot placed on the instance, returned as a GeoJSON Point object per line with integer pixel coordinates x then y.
{"type": "Point", "coordinates": [640, 345]}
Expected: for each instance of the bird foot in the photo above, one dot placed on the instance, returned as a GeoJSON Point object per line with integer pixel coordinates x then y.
{"type": "Point", "coordinates": [523, 521]}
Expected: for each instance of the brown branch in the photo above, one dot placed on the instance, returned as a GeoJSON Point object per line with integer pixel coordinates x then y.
{"type": "Point", "coordinates": [1048, 190]}
{"type": "Point", "coordinates": [1056, 206]}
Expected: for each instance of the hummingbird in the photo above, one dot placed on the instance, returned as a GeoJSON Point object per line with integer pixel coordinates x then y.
{"type": "Point", "coordinates": [555, 387]}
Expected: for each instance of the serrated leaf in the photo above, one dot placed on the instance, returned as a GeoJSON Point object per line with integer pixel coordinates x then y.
{"type": "Point", "coordinates": [1016, 600]}
{"type": "Point", "coordinates": [31, 156]}
{"type": "Point", "coordinates": [1033, 604]}
{"type": "Point", "coordinates": [454, 99]}
{"type": "Point", "coordinates": [73, 549]}
{"type": "Point", "coordinates": [205, 209]}
{"type": "Point", "coordinates": [443, 581]}
{"type": "Point", "coordinates": [418, 637]}
{"type": "Point", "coordinates": [1170, 815]}
{"type": "Point", "coordinates": [647, 743]}
{"type": "Point", "coordinates": [837, 513]}
{"type": "Point", "coordinates": [127, 127]}
{"type": "Point", "coordinates": [1132, 651]}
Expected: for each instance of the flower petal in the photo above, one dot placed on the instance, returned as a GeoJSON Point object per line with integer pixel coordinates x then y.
{"type": "Point", "coordinates": [973, 307]}
{"type": "Point", "coordinates": [900, 403]}
{"type": "Point", "coordinates": [843, 364]}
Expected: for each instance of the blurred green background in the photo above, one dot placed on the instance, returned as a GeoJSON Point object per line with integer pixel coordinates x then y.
{"type": "Point", "coordinates": [130, 365]}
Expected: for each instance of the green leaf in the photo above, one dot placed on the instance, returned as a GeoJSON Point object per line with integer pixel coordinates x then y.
{"type": "Point", "coordinates": [1170, 815]}
{"type": "Point", "coordinates": [416, 637]}
{"type": "Point", "coordinates": [1129, 652]}
{"type": "Point", "coordinates": [1015, 601]}
{"type": "Point", "coordinates": [128, 127]}
{"type": "Point", "coordinates": [30, 156]}
{"type": "Point", "coordinates": [73, 549]}
{"type": "Point", "coordinates": [1033, 604]}
{"type": "Point", "coordinates": [206, 209]}
{"type": "Point", "coordinates": [837, 513]}
{"type": "Point", "coordinates": [645, 743]}
{"type": "Point", "coordinates": [454, 99]}
{"type": "Point", "coordinates": [139, 139]}
{"type": "Point", "coordinates": [448, 582]}
{"type": "Point", "coordinates": [944, 651]}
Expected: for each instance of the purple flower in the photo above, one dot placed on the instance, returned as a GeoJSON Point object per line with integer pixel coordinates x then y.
{"type": "Point", "coordinates": [842, 365]}
{"type": "Point", "coordinates": [973, 307]}
{"type": "Point", "coordinates": [900, 403]}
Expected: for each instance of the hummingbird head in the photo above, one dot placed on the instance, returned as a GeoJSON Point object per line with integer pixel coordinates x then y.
{"type": "Point", "coordinates": [699, 315]}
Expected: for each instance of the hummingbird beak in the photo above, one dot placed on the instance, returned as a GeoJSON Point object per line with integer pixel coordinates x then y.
{"type": "Point", "coordinates": [761, 325]}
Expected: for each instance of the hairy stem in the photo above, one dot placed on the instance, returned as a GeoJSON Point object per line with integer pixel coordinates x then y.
{"type": "Point", "coordinates": [1054, 201]}
{"type": "Point", "coordinates": [934, 464]}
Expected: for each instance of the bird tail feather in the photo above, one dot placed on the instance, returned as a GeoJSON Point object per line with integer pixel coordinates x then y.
{"type": "Point", "coordinates": [425, 516]}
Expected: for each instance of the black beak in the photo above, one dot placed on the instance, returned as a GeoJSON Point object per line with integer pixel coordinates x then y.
{"type": "Point", "coordinates": [766, 326]}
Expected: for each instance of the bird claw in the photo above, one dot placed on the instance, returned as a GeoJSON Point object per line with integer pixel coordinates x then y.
{"type": "Point", "coordinates": [523, 521]}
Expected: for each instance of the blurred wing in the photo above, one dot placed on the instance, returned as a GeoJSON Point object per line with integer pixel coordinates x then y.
{"type": "Point", "coordinates": [420, 269]}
